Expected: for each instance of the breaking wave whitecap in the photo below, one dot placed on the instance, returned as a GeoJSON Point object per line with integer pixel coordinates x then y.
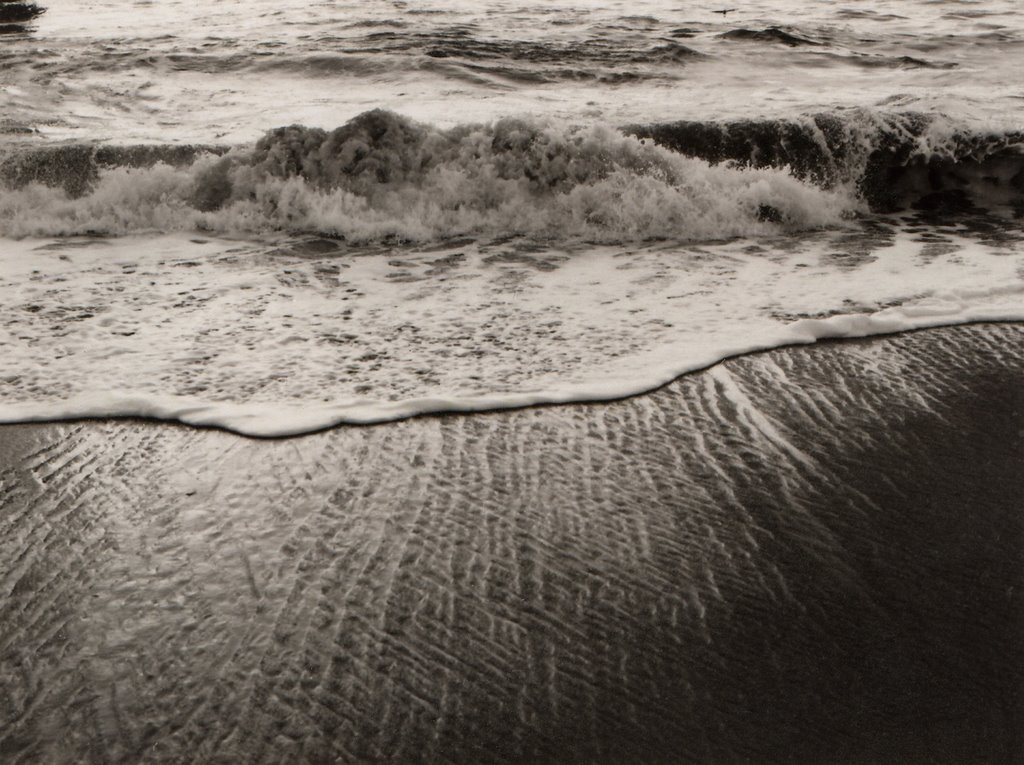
{"type": "Point", "coordinates": [382, 176]}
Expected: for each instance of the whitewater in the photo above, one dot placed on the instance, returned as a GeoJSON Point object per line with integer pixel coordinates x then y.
{"type": "Point", "coordinates": [276, 217]}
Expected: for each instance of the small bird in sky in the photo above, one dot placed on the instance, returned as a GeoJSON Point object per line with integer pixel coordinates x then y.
{"type": "Point", "coordinates": [725, 11]}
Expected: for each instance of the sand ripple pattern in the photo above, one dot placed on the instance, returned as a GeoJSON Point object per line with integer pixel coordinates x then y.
{"type": "Point", "coordinates": [798, 556]}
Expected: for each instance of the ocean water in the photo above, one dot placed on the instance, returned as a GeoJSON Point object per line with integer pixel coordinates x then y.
{"type": "Point", "coordinates": [276, 217]}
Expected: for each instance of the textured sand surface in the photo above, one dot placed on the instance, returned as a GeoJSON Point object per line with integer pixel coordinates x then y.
{"type": "Point", "coordinates": [808, 555]}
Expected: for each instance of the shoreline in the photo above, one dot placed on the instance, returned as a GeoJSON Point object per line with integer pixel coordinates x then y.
{"type": "Point", "coordinates": [801, 555]}
{"type": "Point", "coordinates": [470, 409]}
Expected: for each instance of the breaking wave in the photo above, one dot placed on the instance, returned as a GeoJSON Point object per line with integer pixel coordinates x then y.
{"type": "Point", "coordinates": [383, 176]}
{"type": "Point", "coordinates": [891, 161]}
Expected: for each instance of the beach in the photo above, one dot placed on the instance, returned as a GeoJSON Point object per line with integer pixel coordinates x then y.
{"type": "Point", "coordinates": [570, 382]}
{"type": "Point", "coordinates": [806, 555]}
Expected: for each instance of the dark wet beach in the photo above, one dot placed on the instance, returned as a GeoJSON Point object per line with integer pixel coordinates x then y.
{"type": "Point", "coordinates": [808, 555]}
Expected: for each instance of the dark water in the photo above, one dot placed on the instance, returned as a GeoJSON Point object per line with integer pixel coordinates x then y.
{"type": "Point", "coordinates": [804, 556]}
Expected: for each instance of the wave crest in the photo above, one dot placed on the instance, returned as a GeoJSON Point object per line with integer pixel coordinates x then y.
{"type": "Point", "coordinates": [382, 175]}
{"type": "Point", "coordinates": [891, 161]}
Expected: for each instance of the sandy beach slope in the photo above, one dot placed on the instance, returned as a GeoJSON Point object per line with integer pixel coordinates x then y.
{"type": "Point", "coordinates": [809, 555]}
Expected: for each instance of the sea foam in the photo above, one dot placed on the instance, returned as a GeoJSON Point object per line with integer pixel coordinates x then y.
{"type": "Point", "coordinates": [382, 176]}
{"type": "Point", "coordinates": [276, 339]}
{"type": "Point", "coordinates": [389, 268]}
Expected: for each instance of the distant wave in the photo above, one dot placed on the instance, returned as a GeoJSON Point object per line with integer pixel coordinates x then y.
{"type": "Point", "coordinates": [390, 52]}
{"type": "Point", "coordinates": [384, 176]}
{"type": "Point", "coordinates": [770, 35]}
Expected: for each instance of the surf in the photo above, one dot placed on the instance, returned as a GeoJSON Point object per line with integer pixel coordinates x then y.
{"type": "Point", "coordinates": [382, 176]}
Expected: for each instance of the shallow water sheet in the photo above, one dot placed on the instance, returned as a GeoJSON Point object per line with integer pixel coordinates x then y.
{"type": "Point", "coordinates": [287, 336]}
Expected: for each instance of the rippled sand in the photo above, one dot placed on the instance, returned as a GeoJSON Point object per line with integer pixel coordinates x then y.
{"type": "Point", "coordinates": [808, 555]}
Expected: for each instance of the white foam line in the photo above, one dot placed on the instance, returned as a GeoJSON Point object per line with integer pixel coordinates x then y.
{"type": "Point", "coordinates": [279, 420]}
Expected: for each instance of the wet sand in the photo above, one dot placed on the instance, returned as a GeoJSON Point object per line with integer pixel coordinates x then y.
{"type": "Point", "coordinates": [809, 555]}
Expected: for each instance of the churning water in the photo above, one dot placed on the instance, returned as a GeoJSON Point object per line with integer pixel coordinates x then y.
{"type": "Point", "coordinates": [277, 216]}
